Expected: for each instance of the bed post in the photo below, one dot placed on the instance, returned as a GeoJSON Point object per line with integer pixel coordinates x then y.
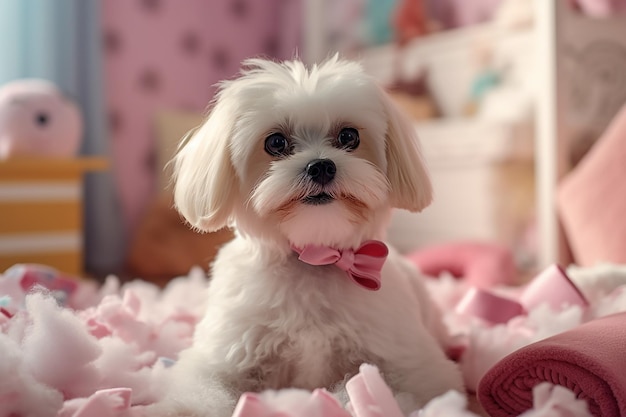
{"type": "Point", "coordinates": [551, 145]}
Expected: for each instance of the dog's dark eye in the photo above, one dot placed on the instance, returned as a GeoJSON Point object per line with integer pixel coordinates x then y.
{"type": "Point", "coordinates": [42, 119]}
{"type": "Point", "coordinates": [348, 138]}
{"type": "Point", "coordinates": [277, 145]}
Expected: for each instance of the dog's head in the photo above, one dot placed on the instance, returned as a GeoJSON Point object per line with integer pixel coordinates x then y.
{"type": "Point", "coordinates": [310, 156]}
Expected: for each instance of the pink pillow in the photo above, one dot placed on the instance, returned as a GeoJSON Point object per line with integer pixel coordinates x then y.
{"type": "Point", "coordinates": [480, 264]}
{"type": "Point", "coordinates": [591, 200]}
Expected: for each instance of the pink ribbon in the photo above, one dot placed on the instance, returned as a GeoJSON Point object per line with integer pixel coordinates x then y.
{"type": "Point", "coordinates": [362, 265]}
{"type": "Point", "coordinates": [552, 286]}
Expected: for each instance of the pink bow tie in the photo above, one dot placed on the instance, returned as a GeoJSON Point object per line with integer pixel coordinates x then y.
{"type": "Point", "coordinates": [362, 265]}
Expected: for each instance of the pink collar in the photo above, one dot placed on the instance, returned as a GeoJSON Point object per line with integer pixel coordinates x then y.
{"type": "Point", "coordinates": [362, 265]}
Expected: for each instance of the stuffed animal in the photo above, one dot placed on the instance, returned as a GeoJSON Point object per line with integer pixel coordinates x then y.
{"type": "Point", "coordinates": [410, 21]}
{"type": "Point", "coordinates": [36, 119]}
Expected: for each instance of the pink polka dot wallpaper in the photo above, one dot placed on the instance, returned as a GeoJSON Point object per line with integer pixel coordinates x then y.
{"type": "Point", "coordinates": [167, 55]}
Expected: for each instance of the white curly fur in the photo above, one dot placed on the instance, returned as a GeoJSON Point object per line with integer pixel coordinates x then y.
{"type": "Point", "coordinates": [273, 321]}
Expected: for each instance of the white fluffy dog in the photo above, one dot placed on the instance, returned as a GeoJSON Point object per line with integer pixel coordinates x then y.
{"type": "Point", "coordinates": [306, 165]}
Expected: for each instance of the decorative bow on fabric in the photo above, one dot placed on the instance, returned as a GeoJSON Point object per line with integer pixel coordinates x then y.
{"type": "Point", "coordinates": [552, 286]}
{"type": "Point", "coordinates": [362, 265]}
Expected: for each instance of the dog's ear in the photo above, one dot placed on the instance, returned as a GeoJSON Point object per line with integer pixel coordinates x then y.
{"type": "Point", "coordinates": [205, 182]}
{"type": "Point", "coordinates": [411, 188]}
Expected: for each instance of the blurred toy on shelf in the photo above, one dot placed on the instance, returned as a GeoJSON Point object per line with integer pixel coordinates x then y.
{"type": "Point", "coordinates": [410, 21]}
{"type": "Point", "coordinates": [37, 119]}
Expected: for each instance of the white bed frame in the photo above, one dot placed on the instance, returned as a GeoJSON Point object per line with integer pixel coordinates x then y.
{"type": "Point", "coordinates": [560, 33]}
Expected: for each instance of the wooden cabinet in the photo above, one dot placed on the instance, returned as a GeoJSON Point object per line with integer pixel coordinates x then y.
{"type": "Point", "coordinates": [41, 211]}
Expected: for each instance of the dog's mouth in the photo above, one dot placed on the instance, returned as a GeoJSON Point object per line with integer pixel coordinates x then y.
{"type": "Point", "coordinates": [318, 199]}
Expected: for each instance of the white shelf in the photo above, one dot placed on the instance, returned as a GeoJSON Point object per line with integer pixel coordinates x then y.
{"type": "Point", "coordinates": [554, 52]}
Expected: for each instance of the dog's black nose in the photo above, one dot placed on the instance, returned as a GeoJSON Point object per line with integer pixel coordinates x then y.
{"type": "Point", "coordinates": [322, 171]}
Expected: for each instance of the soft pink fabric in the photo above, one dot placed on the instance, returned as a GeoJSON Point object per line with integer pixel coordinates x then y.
{"type": "Point", "coordinates": [289, 403]}
{"type": "Point", "coordinates": [552, 287]}
{"type": "Point", "coordinates": [111, 402]}
{"type": "Point", "coordinates": [368, 393]}
{"type": "Point", "coordinates": [589, 360]}
{"type": "Point", "coordinates": [362, 265]}
{"type": "Point", "coordinates": [489, 306]}
{"type": "Point", "coordinates": [592, 200]}
{"type": "Point", "coordinates": [370, 396]}
{"type": "Point", "coordinates": [480, 264]}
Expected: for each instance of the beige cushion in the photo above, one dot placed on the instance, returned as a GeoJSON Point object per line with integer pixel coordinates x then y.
{"type": "Point", "coordinates": [171, 126]}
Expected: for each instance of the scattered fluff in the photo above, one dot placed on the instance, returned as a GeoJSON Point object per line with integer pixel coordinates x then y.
{"type": "Point", "coordinates": [22, 394]}
{"type": "Point", "coordinates": [113, 350]}
{"type": "Point", "coordinates": [105, 353]}
{"type": "Point", "coordinates": [556, 401]}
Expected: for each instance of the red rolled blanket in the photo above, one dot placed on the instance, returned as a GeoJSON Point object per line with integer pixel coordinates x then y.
{"type": "Point", "coordinates": [590, 360]}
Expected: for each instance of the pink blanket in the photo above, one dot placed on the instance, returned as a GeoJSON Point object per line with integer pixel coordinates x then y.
{"type": "Point", "coordinates": [589, 360]}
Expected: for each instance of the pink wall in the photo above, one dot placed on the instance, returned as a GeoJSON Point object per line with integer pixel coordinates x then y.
{"type": "Point", "coordinates": [167, 54]}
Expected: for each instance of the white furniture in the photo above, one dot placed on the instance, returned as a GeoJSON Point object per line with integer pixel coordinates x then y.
{"type": "Point", "coordinates": [464, 154]}
{"type": "Point", "coordinates": [582, 64]}
{"type": "Point", "coordinates": [574, 68]}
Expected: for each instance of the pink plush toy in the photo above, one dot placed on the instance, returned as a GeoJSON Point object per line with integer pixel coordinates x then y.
{"type": "Point", "coordinates": [36, 119]}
